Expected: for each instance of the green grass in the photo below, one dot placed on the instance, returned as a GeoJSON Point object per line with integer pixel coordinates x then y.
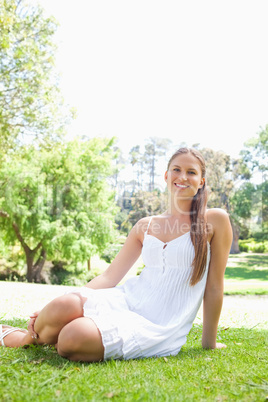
{"type": "Point", "coordinates": [247, 273]}
{"type": "Point", "coordinates": [238, 372]}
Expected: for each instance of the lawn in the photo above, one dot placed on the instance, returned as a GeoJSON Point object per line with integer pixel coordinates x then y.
{"type": "Point", "coordinates": [237, 373]}
{"type": "Point", "coordinates": [247, 273]}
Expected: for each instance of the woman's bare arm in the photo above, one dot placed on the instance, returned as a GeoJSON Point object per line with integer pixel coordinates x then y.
{"type": "Point", "coordinates": [220, 247]}
{"type": "Point", "coordinates": [124, 259]}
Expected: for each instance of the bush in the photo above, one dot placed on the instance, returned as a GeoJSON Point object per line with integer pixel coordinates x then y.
{"type": "Point", "coordinates": [11, 275]}
{"type": "Point", "coordinates": [111, 252]}
{"type": "Point", "coordinates": [243, 247]}
{"type": "Point", "coordinates": [253, 246]}
{"type": "Point", "coordinates": [258, 248]}
{"type": "Point", "coordinates": [260, 236]}
{"type": "Point", "coordinates": [62, 274]}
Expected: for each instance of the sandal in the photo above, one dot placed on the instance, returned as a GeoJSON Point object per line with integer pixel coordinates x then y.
{"type": "Point", "coordinates": [7, 332]}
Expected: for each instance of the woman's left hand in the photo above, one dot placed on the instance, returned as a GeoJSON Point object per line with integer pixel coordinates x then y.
{"type": "Point", "coordinates": [31, 323]}
{"type": "Point", "coordinates": [220, 346]}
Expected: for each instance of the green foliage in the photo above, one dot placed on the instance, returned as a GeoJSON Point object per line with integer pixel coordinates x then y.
{"type": "Point", "coordinates": [145, 203]}
{"type": "Point", "coordinates": [254, 156]}
{"type": "Point", "coordinates": [110, 252]}
{"type": "Point", "coordinates": [30, 101]}
{"type": "Point", "coordinates": [242, 201]}
{"type": "Point", "coordinates": [219, 180]}
{"type": "Point", "coordinates": [63, 274]}
{"type": "Point", "coordinates": [155, 148]}
{"type": "Point", "coordinates": [243, 247]}
{"type": "Point", "coordinates": [57, 203]}
{"type": "Point", "coordinates": [253, 246]}
{"type": "Point", "coordinates": [121, 220]}
{"type": "Point", "coordinates": [256, 150]}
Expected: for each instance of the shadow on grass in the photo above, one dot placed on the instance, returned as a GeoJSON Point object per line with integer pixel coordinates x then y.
{"type": "Point", "coordinates": [247, 266]}
{"type": "Point", "coordinates": [241, 272]}
{"type": "Point", "coordinates": [251, 258]}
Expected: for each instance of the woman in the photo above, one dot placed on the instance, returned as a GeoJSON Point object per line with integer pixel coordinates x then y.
{"type": "Point", "coordinates": [185, 251]}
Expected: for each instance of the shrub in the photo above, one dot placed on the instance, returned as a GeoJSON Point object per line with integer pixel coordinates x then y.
{"type": "Point", "coordinates": [11, 275]}
{"type": "Point", "coordinates": [110, 252]}
{"type": "Point", "coordinates": [258, 248]}
{"type": "Point", "coordinates": [62, 274]}
{"type": "Point", "coordinates": [243, 247]}
{"type": "Point", "coordinates": [253, 246]}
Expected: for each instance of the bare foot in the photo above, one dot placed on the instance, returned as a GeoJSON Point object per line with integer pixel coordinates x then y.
{"type": "Point", "coordinates": [5, 326]}
{"type": "Point", "coordinates": [15, 339]}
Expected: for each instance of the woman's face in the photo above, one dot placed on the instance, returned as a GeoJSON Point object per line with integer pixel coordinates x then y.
{"type": "Point", "coordinates": [184, 176]}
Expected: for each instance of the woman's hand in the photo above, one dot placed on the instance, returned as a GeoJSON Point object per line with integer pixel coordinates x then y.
{"type": "Point", "coordinates": [220, 346]}
{"type": "Point", "coordinates": [217, 346]}
{"type": "Point", "coordinates": [31, 323]}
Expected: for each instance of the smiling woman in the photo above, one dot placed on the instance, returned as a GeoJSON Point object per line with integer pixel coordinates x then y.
{"type": "Point", "coordinates": [185, 251]}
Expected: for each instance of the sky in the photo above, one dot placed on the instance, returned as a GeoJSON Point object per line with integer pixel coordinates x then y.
{"type": "Point", "coordinates": [193, 71]}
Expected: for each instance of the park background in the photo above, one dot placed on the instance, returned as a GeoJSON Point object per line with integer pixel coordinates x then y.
{"type": "Point", "coordinates": [91, 110]}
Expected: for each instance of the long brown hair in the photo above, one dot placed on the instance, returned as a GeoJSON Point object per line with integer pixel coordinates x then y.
{"type": "Point", "coordinates": [198, 220]}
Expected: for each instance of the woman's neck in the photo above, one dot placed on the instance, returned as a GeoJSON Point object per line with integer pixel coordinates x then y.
{"type": "Point", "coordinates": [179, 208]}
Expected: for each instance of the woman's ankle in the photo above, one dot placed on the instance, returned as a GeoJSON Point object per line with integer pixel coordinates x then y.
{"type": "Point", "coordinates": [17, 339]}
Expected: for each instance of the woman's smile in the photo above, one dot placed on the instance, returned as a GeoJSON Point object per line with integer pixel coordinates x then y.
{"type": "Point", "coordinates": [182, 186]}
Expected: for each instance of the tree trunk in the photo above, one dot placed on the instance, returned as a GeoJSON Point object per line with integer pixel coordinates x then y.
{"type": "Point", "coordinates": [29, 262]}
{"type": "Point", "coordinates": [88, 265]}
{"type": "Point", "coordinates": [39, 265]}
{"type": "Point", "coordinates": [34, 269]}
{"type": "Point", "coordinates": [235, 245]}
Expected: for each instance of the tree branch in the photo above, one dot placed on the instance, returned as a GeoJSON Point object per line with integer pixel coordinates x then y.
{"type": "Point", "coordinates": [37, 247]}
{"type": "Point", "coordinates": [20, 238]}
{"type": "Point", "coordinates": [4, 214]}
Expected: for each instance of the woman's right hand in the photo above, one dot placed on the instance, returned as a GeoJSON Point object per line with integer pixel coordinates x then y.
{"type": "Point", "coordinates": [31, 323]}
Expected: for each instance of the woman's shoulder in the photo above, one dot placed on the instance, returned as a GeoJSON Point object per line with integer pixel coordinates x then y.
{"type": "Point", "coordinates": [147, 219]}
{"type": "Point", "coordinates": [141, 226]}
{"type": "Point", "coordinates": [217, 219]}
{"type": "Point", "coordinates": [217, 213]}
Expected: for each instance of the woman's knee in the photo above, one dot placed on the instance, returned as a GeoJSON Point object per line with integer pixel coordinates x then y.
{"type": "Point", "coordinates": [70, 305]}
{"type": "Point", "coordinates": [59, 312]}
{"type": "Point", "coordinates": [80, 340]}
{"type": "Point", "coordinates": [67, 341]}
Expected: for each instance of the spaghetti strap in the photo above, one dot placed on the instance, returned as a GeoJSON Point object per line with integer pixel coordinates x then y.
{"type": "Point", "coordinates": [145, 233]}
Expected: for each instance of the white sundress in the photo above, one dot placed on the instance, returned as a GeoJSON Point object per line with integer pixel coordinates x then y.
{"type": "Point", "coordinates": [150, 314]}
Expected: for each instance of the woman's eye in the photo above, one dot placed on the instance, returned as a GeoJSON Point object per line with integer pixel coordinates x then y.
{"type": "Point", "coordinates": [192, 172]}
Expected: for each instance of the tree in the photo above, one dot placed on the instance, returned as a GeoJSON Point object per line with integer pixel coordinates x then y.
{"type": "Point", "coordinates": [30, 101]}
{"type": "Point", "coordinates": [219, 177]}
{"type": "Point", "coordinates": [241, 208]}
{"type": "Point", "coordinates": [254, 156]}
{"type": "Point", "coordinates": [221, 173]}
{"type": "Point", "coordinates": [137, 162]}
{"type": "Point", "coordinates": [145, 203]}
{"type": "Point", "coordinates": [57, 204]}
{"type": "Point", "coordinates": [256, 150]}
{"type": "Point", "coordinates": [154, 149]}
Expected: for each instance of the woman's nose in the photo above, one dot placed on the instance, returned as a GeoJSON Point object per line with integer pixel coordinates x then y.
{"type": "Point", "coordinates": [183, 176]}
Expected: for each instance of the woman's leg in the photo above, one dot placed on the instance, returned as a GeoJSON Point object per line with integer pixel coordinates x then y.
{"type": "Point", "coordinates": [16, 338]}
{"type": "Point", "coordinates": [50, 321]}
{"type": "Point", "coordinates": [56, 315]}
{"type": "Point", "coordinates": [80, 340]}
